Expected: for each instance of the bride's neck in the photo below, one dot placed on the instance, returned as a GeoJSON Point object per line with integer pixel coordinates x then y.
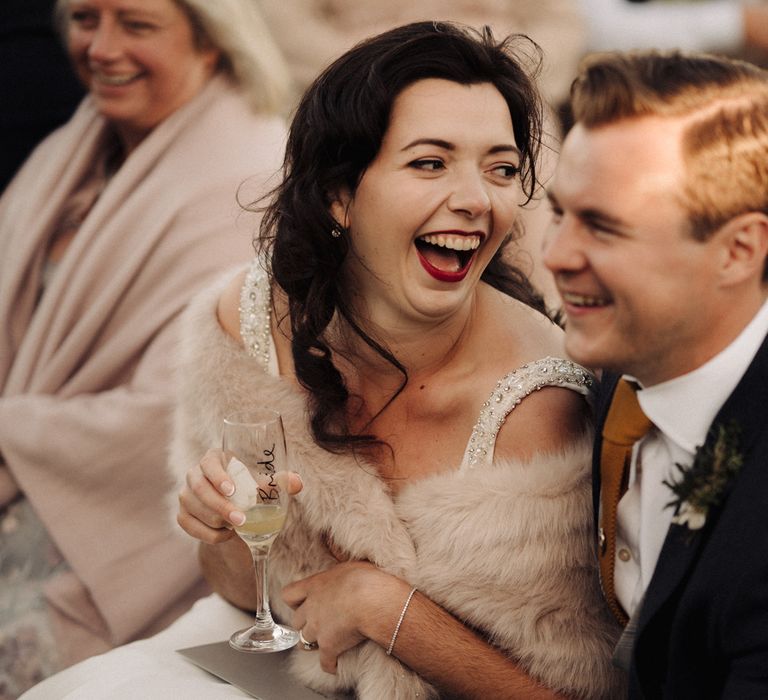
{"type": "Point", "coordinates": [420, 351]}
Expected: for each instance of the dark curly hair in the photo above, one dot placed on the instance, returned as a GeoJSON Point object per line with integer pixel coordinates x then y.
{"type": "Point", "coordinates": [334, 136]}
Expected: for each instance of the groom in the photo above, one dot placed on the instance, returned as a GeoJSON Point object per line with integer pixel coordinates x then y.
{"type": "Point", "coordinates": [658, 246]}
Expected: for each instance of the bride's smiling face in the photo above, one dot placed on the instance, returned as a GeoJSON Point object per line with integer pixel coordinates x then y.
{"type": "Point", "coordinates": [435, 204]}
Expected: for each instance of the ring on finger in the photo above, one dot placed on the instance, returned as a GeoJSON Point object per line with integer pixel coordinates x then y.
{"type": "Point", "coordinates": [307, 646]}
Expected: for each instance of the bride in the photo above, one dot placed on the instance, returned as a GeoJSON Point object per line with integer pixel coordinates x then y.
{"type": "Point", "coordinates": [396, 340]}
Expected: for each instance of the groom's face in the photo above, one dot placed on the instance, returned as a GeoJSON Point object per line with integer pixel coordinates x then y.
{"type": "Point", "coordinates": [636, 287]}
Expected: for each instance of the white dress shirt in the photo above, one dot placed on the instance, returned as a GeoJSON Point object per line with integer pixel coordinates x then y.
{"type": "Point", "coordinates": [682, 410]}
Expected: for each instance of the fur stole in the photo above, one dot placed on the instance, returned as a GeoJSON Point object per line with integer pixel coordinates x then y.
{"type": "Point", "coordinates": [507, 549]}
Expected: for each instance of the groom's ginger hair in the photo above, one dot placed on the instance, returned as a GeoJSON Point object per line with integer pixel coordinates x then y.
{"type": "Point", "coordinates": [725, 143]}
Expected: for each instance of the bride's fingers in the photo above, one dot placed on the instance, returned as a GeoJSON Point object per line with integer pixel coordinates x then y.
{"type": "Point", "coordinates": [203, 523]}
{"type": "Point", "coordinates": [294, 594]}
{"type": "Point", "coordinates": [213, 467]}
{"type": "Point", "coordinates": [200, 490]}
{"type": "Point", "coordinates": [200, 500]}
{"type": "Point", "coordinates": [288, 481]}
{"type": "Point", "coordinates": [299, 620]}
{"type": "Point", "coordinates": [295, 484]}
{"type": "Point", "coordinates": [328, 661]}
{"type": "Point", "coordinates": [200, 531]}
{"type": "Point", "coordinates": [191, 505]}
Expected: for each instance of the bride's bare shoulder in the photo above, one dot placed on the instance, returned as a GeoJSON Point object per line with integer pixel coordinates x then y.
{"type": "Point", "coordinates": [546, 420]}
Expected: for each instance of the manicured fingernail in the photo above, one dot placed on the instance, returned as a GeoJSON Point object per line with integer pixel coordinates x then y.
{"type": "Point", "coordinates": [236, 518]}
{"type": "Point", "coordinates": [227, 488]}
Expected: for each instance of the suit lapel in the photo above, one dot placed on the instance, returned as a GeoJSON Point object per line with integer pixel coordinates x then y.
{"type": "Point", "coordinates": [745, 406]}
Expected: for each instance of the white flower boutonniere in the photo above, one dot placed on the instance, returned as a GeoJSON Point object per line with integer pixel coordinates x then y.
{"type": "Point", "coordinates": [703, 484]}
{"type": "Point", "coordinates": [691, 516]}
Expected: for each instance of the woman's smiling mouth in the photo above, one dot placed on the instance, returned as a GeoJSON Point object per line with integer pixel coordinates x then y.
{"type": "Point", "coordinates": [115, 80]}
{"type": "Point", "coordinates": [448, 256]}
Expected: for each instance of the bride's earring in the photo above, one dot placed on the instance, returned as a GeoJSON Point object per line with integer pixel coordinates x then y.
{"type": "Point", "coordinates": [336, 230]}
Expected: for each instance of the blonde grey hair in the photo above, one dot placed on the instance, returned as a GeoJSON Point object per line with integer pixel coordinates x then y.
{"type": "Point", "coordinates": [249, 54]}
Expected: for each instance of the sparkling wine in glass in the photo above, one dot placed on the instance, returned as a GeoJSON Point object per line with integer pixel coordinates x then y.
{"type": "Point", "coordinates": [254, 444]}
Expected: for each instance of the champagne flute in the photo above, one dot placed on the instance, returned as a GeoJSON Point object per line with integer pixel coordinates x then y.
{"type": "Point", "coordinates": [254, 444]}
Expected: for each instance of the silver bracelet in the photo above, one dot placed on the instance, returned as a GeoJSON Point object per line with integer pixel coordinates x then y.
{"type": "Point", "coordinates": [400, 621]}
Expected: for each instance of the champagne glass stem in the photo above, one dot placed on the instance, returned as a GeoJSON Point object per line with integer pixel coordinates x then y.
{"type": "Point", "coordinates": [260, 553]}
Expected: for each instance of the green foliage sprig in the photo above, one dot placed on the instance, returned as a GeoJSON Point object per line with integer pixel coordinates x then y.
{"type": "Point", "coordinates": [703, 484]}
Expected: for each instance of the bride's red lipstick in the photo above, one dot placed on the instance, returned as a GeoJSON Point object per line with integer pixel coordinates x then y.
{"type": "Point", "coordinates": [444, 275]}
{"type": "Point", "coordinates": [448, 275]}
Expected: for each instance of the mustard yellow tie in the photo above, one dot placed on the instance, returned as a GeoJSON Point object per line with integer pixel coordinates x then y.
{"type": "Point", "coordinates": [624, 425]}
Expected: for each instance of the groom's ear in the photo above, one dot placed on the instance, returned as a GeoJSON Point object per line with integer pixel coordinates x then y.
{"type": "Point", "coordinates": [744, 248]}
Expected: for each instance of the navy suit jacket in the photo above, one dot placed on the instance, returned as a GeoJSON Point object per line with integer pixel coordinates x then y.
{"type": "Point", "coordinates": [703, 627]}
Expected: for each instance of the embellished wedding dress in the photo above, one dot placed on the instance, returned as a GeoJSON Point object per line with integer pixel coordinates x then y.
{"type": "Point", "coordinates": [505, 546]}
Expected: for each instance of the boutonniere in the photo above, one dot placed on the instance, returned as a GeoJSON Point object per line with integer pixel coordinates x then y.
{"type": "Point", "coordinates": [703, 484]}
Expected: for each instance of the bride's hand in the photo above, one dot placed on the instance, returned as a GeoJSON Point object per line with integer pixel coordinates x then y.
{"type": "Point", "coordinates": [338, 607]}
{"type": "Point", "coordinates": [204, 509]}
{"type": "Point", "coordinates": [205, 512]}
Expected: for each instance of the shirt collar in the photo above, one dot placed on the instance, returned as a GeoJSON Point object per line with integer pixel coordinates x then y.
{"type": "Point", "coordinates": [683, 408]}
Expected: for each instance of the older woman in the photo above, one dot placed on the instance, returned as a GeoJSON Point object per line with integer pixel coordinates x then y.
{"type": "Point", "coordinates": [108, 229]}
{"type": "Point", "coordinates": [441, 437]}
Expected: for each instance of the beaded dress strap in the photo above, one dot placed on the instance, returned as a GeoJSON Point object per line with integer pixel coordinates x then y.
{"type": "Point", "coordinates": [510, 390]}
{"type": "Point", "coordinates": [255, 302]}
